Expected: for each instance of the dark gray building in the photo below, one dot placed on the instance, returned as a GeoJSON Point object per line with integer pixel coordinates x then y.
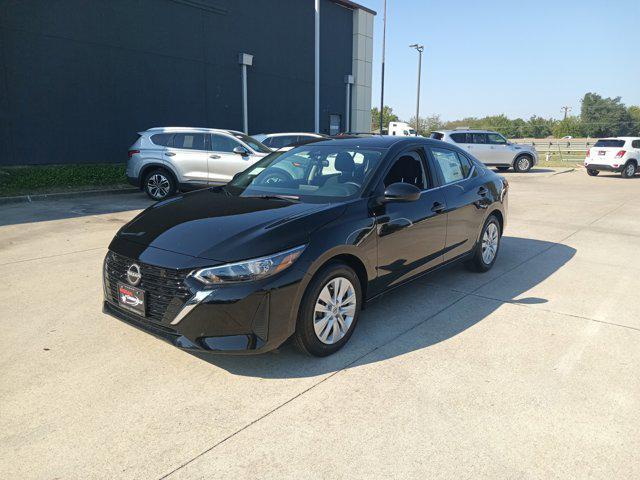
{"type": "Point", "coordinates": [79, 78]}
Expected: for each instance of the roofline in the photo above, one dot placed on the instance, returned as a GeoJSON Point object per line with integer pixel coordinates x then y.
{"type": "Point", "coordinates": [354, 6]}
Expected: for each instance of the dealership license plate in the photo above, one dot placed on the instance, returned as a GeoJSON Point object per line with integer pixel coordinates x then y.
{"type": "Point", "coordinates": [132, 298]}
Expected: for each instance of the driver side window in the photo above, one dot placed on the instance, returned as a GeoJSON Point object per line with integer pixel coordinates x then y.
{"type": "Point", "coordinates": [407, 169]}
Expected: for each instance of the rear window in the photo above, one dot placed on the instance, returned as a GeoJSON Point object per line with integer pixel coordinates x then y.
{"type": "Point", "coordinates": [607, 142]}
{"type": "Point", "coordinates": [460, 137]}
{"type": "Point", "coordinates": [189, 141]}
{"type": "Point", "coordinates": [437, 135]}
{"type": "Point", "coordinates": [161, 139]}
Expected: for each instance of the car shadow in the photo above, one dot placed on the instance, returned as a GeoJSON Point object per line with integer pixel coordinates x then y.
{"type": "Point", "coordinates": [385, 321]}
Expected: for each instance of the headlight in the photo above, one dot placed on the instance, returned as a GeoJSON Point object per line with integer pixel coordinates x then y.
{"type": "Point", "coordinates": [248, 270]}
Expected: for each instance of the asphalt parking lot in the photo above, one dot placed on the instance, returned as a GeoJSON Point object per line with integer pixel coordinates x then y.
{"type": "Point", "coordinates": [529, 371]}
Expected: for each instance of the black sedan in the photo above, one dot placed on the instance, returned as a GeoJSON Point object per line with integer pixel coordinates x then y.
{"type": "Point", "coordinates": [296, 244]}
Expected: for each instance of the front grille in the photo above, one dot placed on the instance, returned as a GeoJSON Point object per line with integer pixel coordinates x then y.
{"type": "Point", "coordinates": [165, 290]}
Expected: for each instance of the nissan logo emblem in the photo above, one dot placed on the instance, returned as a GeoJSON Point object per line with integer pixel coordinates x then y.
{"type": "Point", "coordinates": [134, 275]}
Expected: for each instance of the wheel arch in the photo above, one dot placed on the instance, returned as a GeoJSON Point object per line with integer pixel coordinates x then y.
{"type": "Point", "coordinates": [144, 171]}
{"type": "Point", "coordinates": [522, 154]}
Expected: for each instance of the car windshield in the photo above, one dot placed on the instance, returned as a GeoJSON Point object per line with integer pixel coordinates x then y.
{"type": "Point", "coordinates": [252, 142]}
{"type": "Point", "coordinates": [314, 173]}
{"type": "Point", "coordinates": [609, 142]}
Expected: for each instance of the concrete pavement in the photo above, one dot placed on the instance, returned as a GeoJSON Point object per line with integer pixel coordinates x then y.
{"type": "Point", "coordinates": [528, 371]}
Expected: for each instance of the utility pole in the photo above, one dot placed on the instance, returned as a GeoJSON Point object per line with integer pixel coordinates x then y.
{"type": "Point", "coordinates": [566, 109]}
{"type": "Point", "coordinates": [316, 95]}
{"type": "Point", "coordinates": [420, 49]}
{"type": "Point", "coordinates": [384, 37]}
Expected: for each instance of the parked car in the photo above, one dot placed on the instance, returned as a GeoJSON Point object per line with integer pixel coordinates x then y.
{"type": "Point", "coordinates": [245, 266]}
{"type": "Point", "coordinates": [620, 154]}
{"type": "Point", "coordinates": [279, 140]}
{"type": "Point", "coordinates": [491, 148]}
{"type": "Point", "coordinates": [167, 159]}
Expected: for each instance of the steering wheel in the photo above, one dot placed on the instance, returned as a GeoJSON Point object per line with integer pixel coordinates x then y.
{"type": "Point", "coordinates": [275, 177]}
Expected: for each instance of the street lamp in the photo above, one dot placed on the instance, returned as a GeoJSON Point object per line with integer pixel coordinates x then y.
{"type": "Point", "coordinates": [420, 49]}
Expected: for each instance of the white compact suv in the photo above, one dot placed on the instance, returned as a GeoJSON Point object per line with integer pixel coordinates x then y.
{"type": "Point", "coordinates": [491, 148]}
{"type": "Point", "coordinates": [620, 154]}
{"type": "Point", "coordinates": [166, 159]}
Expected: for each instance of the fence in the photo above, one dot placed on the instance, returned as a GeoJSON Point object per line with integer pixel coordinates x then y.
{"type": "Point", "coordinates": [564, 149]}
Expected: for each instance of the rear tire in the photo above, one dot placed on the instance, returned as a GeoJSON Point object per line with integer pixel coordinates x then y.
{"type": "Point", "coordinates": [329, 310]}
{"type": "Point", "coordinates": [502, 169]}
{"type": "Point", "coordinates": [486, 250]}
{"type": "Point", "coordinates": [629, 170]}
{"type": "Point", "coordinates": [523, 164]}
{"type": "Point", "coordinates": [592, 173]}
{"type": "Point", "coordinates": [159, 184]}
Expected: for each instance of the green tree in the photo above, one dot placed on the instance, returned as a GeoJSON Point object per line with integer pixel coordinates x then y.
{"type": "Point", "coordinates": [538, 127]}
{"type": "Point", "coordinates": [387, 116]}
{"type": "Point", "coordinates": [604, 117]}
{"type": "Point", "coordinates": [426, 124]}
{"type": "Point", "coordinates": [634, 113]}
{"type": "Point", "coordinates": [569, 126]}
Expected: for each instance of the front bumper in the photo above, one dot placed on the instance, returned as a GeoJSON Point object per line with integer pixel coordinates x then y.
{"type": "Point", "coordinates": [601, 167]}
{"type": "Point", "coordinates": [252, 317]}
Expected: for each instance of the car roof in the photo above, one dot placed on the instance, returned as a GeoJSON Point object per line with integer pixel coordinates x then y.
{"type": "Point", "coordinates": [376, 141]}
{"type": "Point", "coordinates": [280, 134]}
{"type": "Point", "coordinates": [465, 130]}
{"type": "Point", "coordinates": [189, 129]}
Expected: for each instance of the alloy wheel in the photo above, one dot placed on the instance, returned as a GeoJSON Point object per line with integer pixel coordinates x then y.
{"type": "Point", "coordinates": [631, 170]}
{"type": "Point", "coordinates": [158, 186]}
{"type": "Point", "coordinates": [490, 241]}
{"type": "Point", "coordinates": [523, 163]}
{"type": "Point", "coordinates": [334, 310]}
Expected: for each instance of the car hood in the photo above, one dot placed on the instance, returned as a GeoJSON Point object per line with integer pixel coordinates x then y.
{"type": "Point", "coordinates": [212, 225]}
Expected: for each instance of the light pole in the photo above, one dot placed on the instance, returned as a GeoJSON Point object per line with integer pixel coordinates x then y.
{"type": "Point", "coordinates": [420, 49]}
{"type": "Point", "coordinates": [245, 60]}
{"type": "Point", "coordinates": [384, 38]}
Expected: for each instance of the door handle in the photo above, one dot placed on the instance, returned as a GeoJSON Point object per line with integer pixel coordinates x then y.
{"type": "Point", "coordinates": [214, 156]}
{"type": "Point", "coordinates": [169, 154]}
{"type": "Point", "coordinates": [437, 207]}
{"type": "Point", "coordinates": [482, 191]}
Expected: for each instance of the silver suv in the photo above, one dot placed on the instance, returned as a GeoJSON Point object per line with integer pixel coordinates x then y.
{"type": "Point", "coordinates": [166, 159]}
{"type": "Point", "coordinates": [491, 148]}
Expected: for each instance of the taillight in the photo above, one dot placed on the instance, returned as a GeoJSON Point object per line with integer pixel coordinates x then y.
{"type": "Point", "coordinates": [588, 152]}
{"type": "Point", "coordinates": [621, 153]}
{"type": "Point", "coordinates": [133, 152]}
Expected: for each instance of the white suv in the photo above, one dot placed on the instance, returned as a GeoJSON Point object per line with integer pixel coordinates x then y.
{"type": "Point", "coordinates": [491, 148]}
{"type": "Point", "coordinates": [166, 159]}
{"type": "Point", "coordinates": [620, 154]}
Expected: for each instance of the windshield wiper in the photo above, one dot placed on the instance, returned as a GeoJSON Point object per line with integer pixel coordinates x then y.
{"type": "Point", "coordinates": [289, 198]}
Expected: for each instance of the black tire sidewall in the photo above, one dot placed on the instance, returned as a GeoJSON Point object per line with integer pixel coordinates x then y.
{"type": "Point", "coordinates": [305, 335]}
{"type": "Point", "coordinates": [479, 264]}
{"type": "Point", "coordinates": [591, 172]}
{"type": "Point", "coordinates": [515, 163]}
{"type": "Point", "coordinates": [168, 176]}
{"type": "Point", "coordinates": [624, 170]}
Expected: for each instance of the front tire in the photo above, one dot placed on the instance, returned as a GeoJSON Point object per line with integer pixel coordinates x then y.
{"type": "Point", "coordinates": [629, 170]}
{"type": "Point", "coordinates": [487, 248]}
{"type": "Point", "coordinates": [592, 173]}
{"type": "Point", "coordinates": [523, 164]}
{"type": "Point", "coordinates": [159, 184]}
{"type": "Point", "coordinates": [329, 310]}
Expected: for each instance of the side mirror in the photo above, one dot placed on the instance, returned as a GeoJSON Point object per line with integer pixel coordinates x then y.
{"type": "Point", "coordinates": [401, 192]}
{"type": "Point", "coordinates": [241, 150]}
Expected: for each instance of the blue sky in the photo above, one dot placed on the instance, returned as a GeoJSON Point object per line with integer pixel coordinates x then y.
{"type": "Point", "coordinates": [513, 57]}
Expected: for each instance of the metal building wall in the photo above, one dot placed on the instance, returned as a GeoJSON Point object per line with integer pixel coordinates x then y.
{"type": "Point", "coordinates": [79, 78]}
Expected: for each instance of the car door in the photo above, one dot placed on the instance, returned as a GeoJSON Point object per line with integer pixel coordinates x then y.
{"type": "Point", "coordinates": [224, 163]}
{"type": "Point", "coordinates": [467, 196]}
{"type": "Point", "coordinates": [499, 149]}
{"type": "Point", "coordinates": [186, 152]}
{"type": "Point", "coordinates": [479, 148]}
{"type": "Point", "coordinates": [411, 235]}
